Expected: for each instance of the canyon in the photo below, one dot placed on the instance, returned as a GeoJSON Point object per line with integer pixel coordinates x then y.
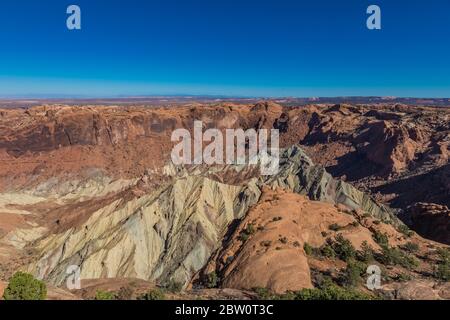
{"type": "Point", "coordinates": [94, 186]}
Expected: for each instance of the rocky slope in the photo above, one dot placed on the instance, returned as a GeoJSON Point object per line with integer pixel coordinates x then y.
{"type": "Point", "coordinates": [282, 245]}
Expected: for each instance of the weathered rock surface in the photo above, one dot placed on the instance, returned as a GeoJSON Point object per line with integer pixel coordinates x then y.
{"type": "Point", "coordinates": [168, 233]}
{"type": "Point", "coordinates": [430, 220]}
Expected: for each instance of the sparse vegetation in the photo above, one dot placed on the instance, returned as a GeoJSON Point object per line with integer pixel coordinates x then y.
{"type": "Point", "coordinates": [155, 294]}
{"type": "Point", "coordinates": [443, 267]}
{"type": "Point", "coordinates": [264, 294]}
{"type": "Point", "coordinates": [125, 293]}
{"type": "Point", "coordinates": [266, 243]}
{"type": "Point", "coordinates": [212, 280]}
{"type": "Point", "coordinates": [331, 292]}
{"type": "Point", "coordinates": [23, 286]}
{"type": "Point", "coordinates": [334, 227]}
{"type": "Point", "coordinates": [308, 249]}
{"type": "Point", "coordinates": [104, 295]}
{"type": "Point", "coordinates": [343, 248]}
{"type": "Point", "coordinates": [405, 230]}
{"type": "Point", "coordinates": [275, 219]}
{"type": "Point", "coordinates": [381, 238]}
{"type": "Point", "coordinates": [366, 254]}
{"type": "Point", "coordinates": [411, 247]}
{"type": "Point", "coordinates": [173, 286]}
{"type": "Point", "coordinates": [284, 240]}
{"type": "Point", "coordinates": [394, 256]}
{"type": "Point", "coordinates": [403, 277]}
{"type": "Point", "coordinates": [351, 276]}
{"type": "Point", "coordinates": [326, 291]}
{"type": "Point", "coordinates": [328, 251]}
{"type": "Point", "coordinates": [247, 232]}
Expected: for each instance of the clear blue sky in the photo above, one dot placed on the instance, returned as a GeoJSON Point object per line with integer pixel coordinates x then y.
{"type": "Point", "coordinates": [232, 47]}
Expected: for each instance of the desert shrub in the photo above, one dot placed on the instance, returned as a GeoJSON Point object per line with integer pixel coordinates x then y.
{"type": "Point", "coordinates": [311, 251]}
{"type": "Point", "coordinates": [275, 219]}
{"type": "Point", "coordinates": [405, 230]}
{"type": "Point", "coordinates": [351, 276]}
{"type": "Point", "coordinates": [264, 293]}
{"type": "Point", "coordinates": [328, 251]}
{"type": "Point", "coordinates": [366, 253]}
{"type": "Point", "coordinates": [173, 286]}
{"type": "Point", "coordinates": [104, 295]}
{"type": "Point", "coordinates": [344, 248]}
{"type": "Point", "coordinates": [411, 247]}
{"type": "Point", "coordinates": [308, 249]}
{"type": "Point", "coordinates": [331, 292]}
{"type": "Point", "coordinates": [247, 232]}
{"type": "Point", "coordinates": [23, 286]}
{"type": "Point", "coordinates": [381, 238]}
{"type": "Point", "coordinates": [243, 237]}
{"type": "Point", "coordinates": [212, 280]}
{"type": "Point", "coordinates": [284, 240]}
{"type": "Point", "coordinates": [334, 227]}
{"type": "Point", "coordinates": [250, 229]}
{"type": "Point", "coordinates": [443, 267]}
{"type": "Point", "coordinates": [266, 243]}
{"type": "Point", "coordinates": [155, 294]}
{"type": "Point", "coordinates": [124, 293]}
{"type": "Point", "coordinates": [394, 256]}
{"type": "Point", "coordinates": [403, 277]}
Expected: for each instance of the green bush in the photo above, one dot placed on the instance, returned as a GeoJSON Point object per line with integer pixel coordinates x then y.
{"type": "Point", "coordinates": [328, 251]}
{"type": "Point", "coordinates": [264, 293]}
{"type": "Point", "coordinates": [212, 280]}
{"type": "Point", "coordinates": [403, 277]}
{"type": "Point", "coordinates": [443, 267]}
{"type": "Point", "coordinates": [104, 295]}
{"type": "Point", "coordinates": [173, 286]}
{"type": "Point", "coordinates": [411, 247]}
{"type": "Point", "coordinates": [23, 286]}
{"type": "Point", "coordinates": [155, 294]}
{"type": "Point", "coordinates": [394, 256]}
{"type": "Point", "coordinates": [247, 232]}
{"type": "Point", "coordinates": [381, 238]}
{"type": "Point", "coordinates": [366, 253]}
{"type": "Point", "coordinates": [331, 292]}
{"type": "Point", "coordinates": [344, 248]}
{"type": "Point", "coordinates": [352, 274]}
{"type": "Point", "coordinates": [405, 230]}
{"type": "Point", "coordinates": [308, 249]}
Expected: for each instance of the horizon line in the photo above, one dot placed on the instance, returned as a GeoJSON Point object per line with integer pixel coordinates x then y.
{"type": "Point", "coordinates": [212, 96]}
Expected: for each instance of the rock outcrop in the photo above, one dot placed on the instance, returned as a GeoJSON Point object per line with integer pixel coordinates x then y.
{"type": "Point", "coordinates": [432, 221]}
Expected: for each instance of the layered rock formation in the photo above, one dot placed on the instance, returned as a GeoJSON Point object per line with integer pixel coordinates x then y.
{"type": "Point", "coordinates": [168, 233]}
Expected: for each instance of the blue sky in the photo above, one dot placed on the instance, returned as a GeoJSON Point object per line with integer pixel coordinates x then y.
{"type": "Point", "coordinates": [241, 48]}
